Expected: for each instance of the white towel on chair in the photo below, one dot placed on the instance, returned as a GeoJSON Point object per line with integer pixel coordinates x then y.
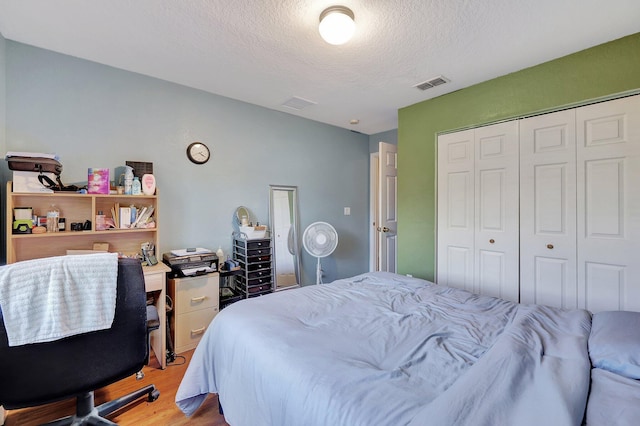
{"type": "Point", "coordinates": [55, 297]}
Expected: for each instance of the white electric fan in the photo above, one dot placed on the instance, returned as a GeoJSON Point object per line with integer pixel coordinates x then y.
{"type": "Point", "coordinates": [320, 239]}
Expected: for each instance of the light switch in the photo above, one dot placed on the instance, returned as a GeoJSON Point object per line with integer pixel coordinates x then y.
{"type": "Point", "coordinates": [347, 211]}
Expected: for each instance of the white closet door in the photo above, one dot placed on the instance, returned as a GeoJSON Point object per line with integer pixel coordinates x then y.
{"type": "Point", "coordinates": [455, 210]}
{"type": "Point", "coordinates": [548, 210]}
{"type": "Point", "coordinates": [496, 260]}
{"type": "Point", "coordinates": [608, 165]}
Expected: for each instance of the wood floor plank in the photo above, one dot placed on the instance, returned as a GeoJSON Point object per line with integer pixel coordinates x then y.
{"type": "Point", "coordinates": [141, 413]}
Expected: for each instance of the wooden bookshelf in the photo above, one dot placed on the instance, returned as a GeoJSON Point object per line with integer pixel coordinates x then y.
{"type": "Point", "coordinates": [76, 208]}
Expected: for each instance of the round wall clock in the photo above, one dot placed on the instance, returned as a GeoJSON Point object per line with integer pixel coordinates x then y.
{"type": "Point", "coordinates": [198, 153]}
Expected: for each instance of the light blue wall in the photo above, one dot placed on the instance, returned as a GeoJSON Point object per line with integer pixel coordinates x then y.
{"type": "Point", "coordinates": [3, 144]}
{"type": "Point", "coordinates": [98, 116]}
{"type": "Point", "coordinates": [3, 94]}
{"type": "Point", "coordinates": [390, 136]}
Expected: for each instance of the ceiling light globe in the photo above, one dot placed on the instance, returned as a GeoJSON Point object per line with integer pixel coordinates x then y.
{"type": "Point", "coordinates": [337, 25]}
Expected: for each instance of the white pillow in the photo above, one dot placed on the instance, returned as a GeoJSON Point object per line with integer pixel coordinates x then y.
{"type": "Point", "coordinates": [614, 342]}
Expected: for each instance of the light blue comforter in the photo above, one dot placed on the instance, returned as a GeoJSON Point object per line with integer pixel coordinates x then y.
{"type": "Point", "coordinates": [385, 349]}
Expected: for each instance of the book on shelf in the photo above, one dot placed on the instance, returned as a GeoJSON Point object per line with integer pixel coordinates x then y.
{"type": "Point", "coordinates": [134, 214]}
{"type": "Point", "coordinates": [129, 217]}
{"type": "Point", "coordinates": [115, 210]}
{"type": "Point", "coordinates": [125, 217]}
{"type": "Point", "coordinates": [141, 212]}
{"type": "Point", "coordinates": [143, 217]}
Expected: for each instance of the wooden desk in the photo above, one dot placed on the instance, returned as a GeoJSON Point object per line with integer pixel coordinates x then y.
{"type": "Point", "coordinates": [155, 280]}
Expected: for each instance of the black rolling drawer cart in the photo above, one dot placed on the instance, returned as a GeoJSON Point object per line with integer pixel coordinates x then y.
{"type": "Point", "coordinates": [255, 257]}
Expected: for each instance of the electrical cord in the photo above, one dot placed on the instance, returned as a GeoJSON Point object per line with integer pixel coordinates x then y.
{"type": "Point", "coordinates": [173, 363]}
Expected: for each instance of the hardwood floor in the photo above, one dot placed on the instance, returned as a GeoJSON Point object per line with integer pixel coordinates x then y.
{"type": "Point", "coordinates": [141, 413]}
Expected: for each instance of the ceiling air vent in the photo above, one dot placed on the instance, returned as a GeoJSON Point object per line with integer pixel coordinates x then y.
{"type": "Point", "coordinates": [437, 81]}
{"type": "Point", "coordinates": [298, 103]}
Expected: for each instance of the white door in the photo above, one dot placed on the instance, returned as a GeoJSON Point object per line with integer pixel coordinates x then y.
{"type": "Point", "coordinates": [548, 210]}
{"type": "Point", "coordinates": [608, 170]}
{"type": "Point", "coordinates": [387, 227]}
{"type": "Point", "coordinates": [455, 251]}
{"type": "Point", "coordinates": [496, 240]}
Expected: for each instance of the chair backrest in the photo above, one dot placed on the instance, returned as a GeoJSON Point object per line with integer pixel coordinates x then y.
{"type": "Point", "coordinates": [45, 372]}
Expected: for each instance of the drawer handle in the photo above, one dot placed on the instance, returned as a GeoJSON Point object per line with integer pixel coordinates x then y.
{"type": "Point", "coordinates": [198, 330]}
{"type": "Point", "coordinates": [492, 241]}
{"type": "Point", "coordinates": [550, 246]}
{"type": "Point", "coordinates": [198, 299]}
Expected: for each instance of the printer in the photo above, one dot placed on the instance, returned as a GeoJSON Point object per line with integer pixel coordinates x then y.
{"type": "Point", "coordinates": [191, 262]}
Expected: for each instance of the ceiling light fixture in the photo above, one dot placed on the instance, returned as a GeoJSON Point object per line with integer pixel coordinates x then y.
{"type": "Point", "coordinates": [337, 25]}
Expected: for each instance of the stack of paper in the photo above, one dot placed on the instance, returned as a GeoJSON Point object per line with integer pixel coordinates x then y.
{"type": "Point", "coordinates": [184, 252]}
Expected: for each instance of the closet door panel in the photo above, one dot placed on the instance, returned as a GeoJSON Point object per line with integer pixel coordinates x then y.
{"type": "Point", "coordinates": [548, 210]}
{"type": "Point", "coordinates": [604, 198]}
{"type": "Point", "coordinates": [455, 210]}
{"type": "Point", "coordinates": [491, 185]}
{"type": "Point", "coordinates": [496, 255]}
{"type": "Point", "coordinates": [459, 267]}
{"type": "Point", "coordinates": [492, 273]}
{"type": "Point", "coordinates": [605, 287]}
{"type": "Point", "coordinates": [551, 284]}
{"type": "Point", "coordinates": [608, 161]}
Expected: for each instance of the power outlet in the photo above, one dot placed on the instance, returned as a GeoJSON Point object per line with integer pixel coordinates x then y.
{"type": "Point", "coordinates": [347, 211]}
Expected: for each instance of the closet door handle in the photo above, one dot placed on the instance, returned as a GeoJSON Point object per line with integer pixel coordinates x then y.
{"type": "Point", "coordinates": [197, 299]}
{"type": "Point", "coordinates": [385, 229]}
{"type": "Point", "coordinates": [492, 241]}
{"type": "Point", "coordinates": [550, 246]}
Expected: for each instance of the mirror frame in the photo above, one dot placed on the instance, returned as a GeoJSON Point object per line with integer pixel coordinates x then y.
{"type": "Point", "coordinates": [295, 250]}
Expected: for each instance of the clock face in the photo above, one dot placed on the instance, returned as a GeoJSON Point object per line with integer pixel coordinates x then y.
{"type": "Point", "coordinates": [198, 153]}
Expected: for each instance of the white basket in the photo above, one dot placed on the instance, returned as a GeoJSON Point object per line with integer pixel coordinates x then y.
{"type": "Point", "coordinates": [252, 233]}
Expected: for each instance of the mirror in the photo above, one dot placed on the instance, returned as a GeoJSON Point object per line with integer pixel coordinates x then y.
{"type": "Point", "coordinates": [242, 212]}
{"type": "Point", "coordinates": [283, 207]}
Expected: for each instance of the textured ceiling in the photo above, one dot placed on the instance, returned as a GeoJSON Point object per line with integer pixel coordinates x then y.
{"type": "Point", "coordinates": [267, 51]}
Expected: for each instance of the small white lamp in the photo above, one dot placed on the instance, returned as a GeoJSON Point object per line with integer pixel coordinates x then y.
{"type": "Point", "coordinates": [337, 25]}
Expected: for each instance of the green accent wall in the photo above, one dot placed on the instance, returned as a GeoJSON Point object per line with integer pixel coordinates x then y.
{"type": "Point", "coordinates": [598, 72]}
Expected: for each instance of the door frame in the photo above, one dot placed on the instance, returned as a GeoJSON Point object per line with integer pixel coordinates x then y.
{"type": "Point", "coordinates": [374, 158]}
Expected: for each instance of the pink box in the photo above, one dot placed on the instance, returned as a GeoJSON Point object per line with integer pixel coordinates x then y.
{"type": "Point", "coordinates": [98, 181]}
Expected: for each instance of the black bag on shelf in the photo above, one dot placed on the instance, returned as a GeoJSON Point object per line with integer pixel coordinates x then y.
{"type": "Point", "coordinates": [35, 164]}
{"type": "Point", "coordinates": [41, 165]}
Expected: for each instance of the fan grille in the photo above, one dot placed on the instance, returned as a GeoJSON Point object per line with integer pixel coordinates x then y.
{"type": "Point", "coordinates": [320, 239]}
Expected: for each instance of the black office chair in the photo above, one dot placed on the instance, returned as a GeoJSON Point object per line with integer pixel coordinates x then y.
{"type": "Point", "coordinates": [75, 366]}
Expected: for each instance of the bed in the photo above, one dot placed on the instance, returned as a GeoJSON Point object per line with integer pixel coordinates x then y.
{"type": "Point", "coordinates": [386, 349]}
